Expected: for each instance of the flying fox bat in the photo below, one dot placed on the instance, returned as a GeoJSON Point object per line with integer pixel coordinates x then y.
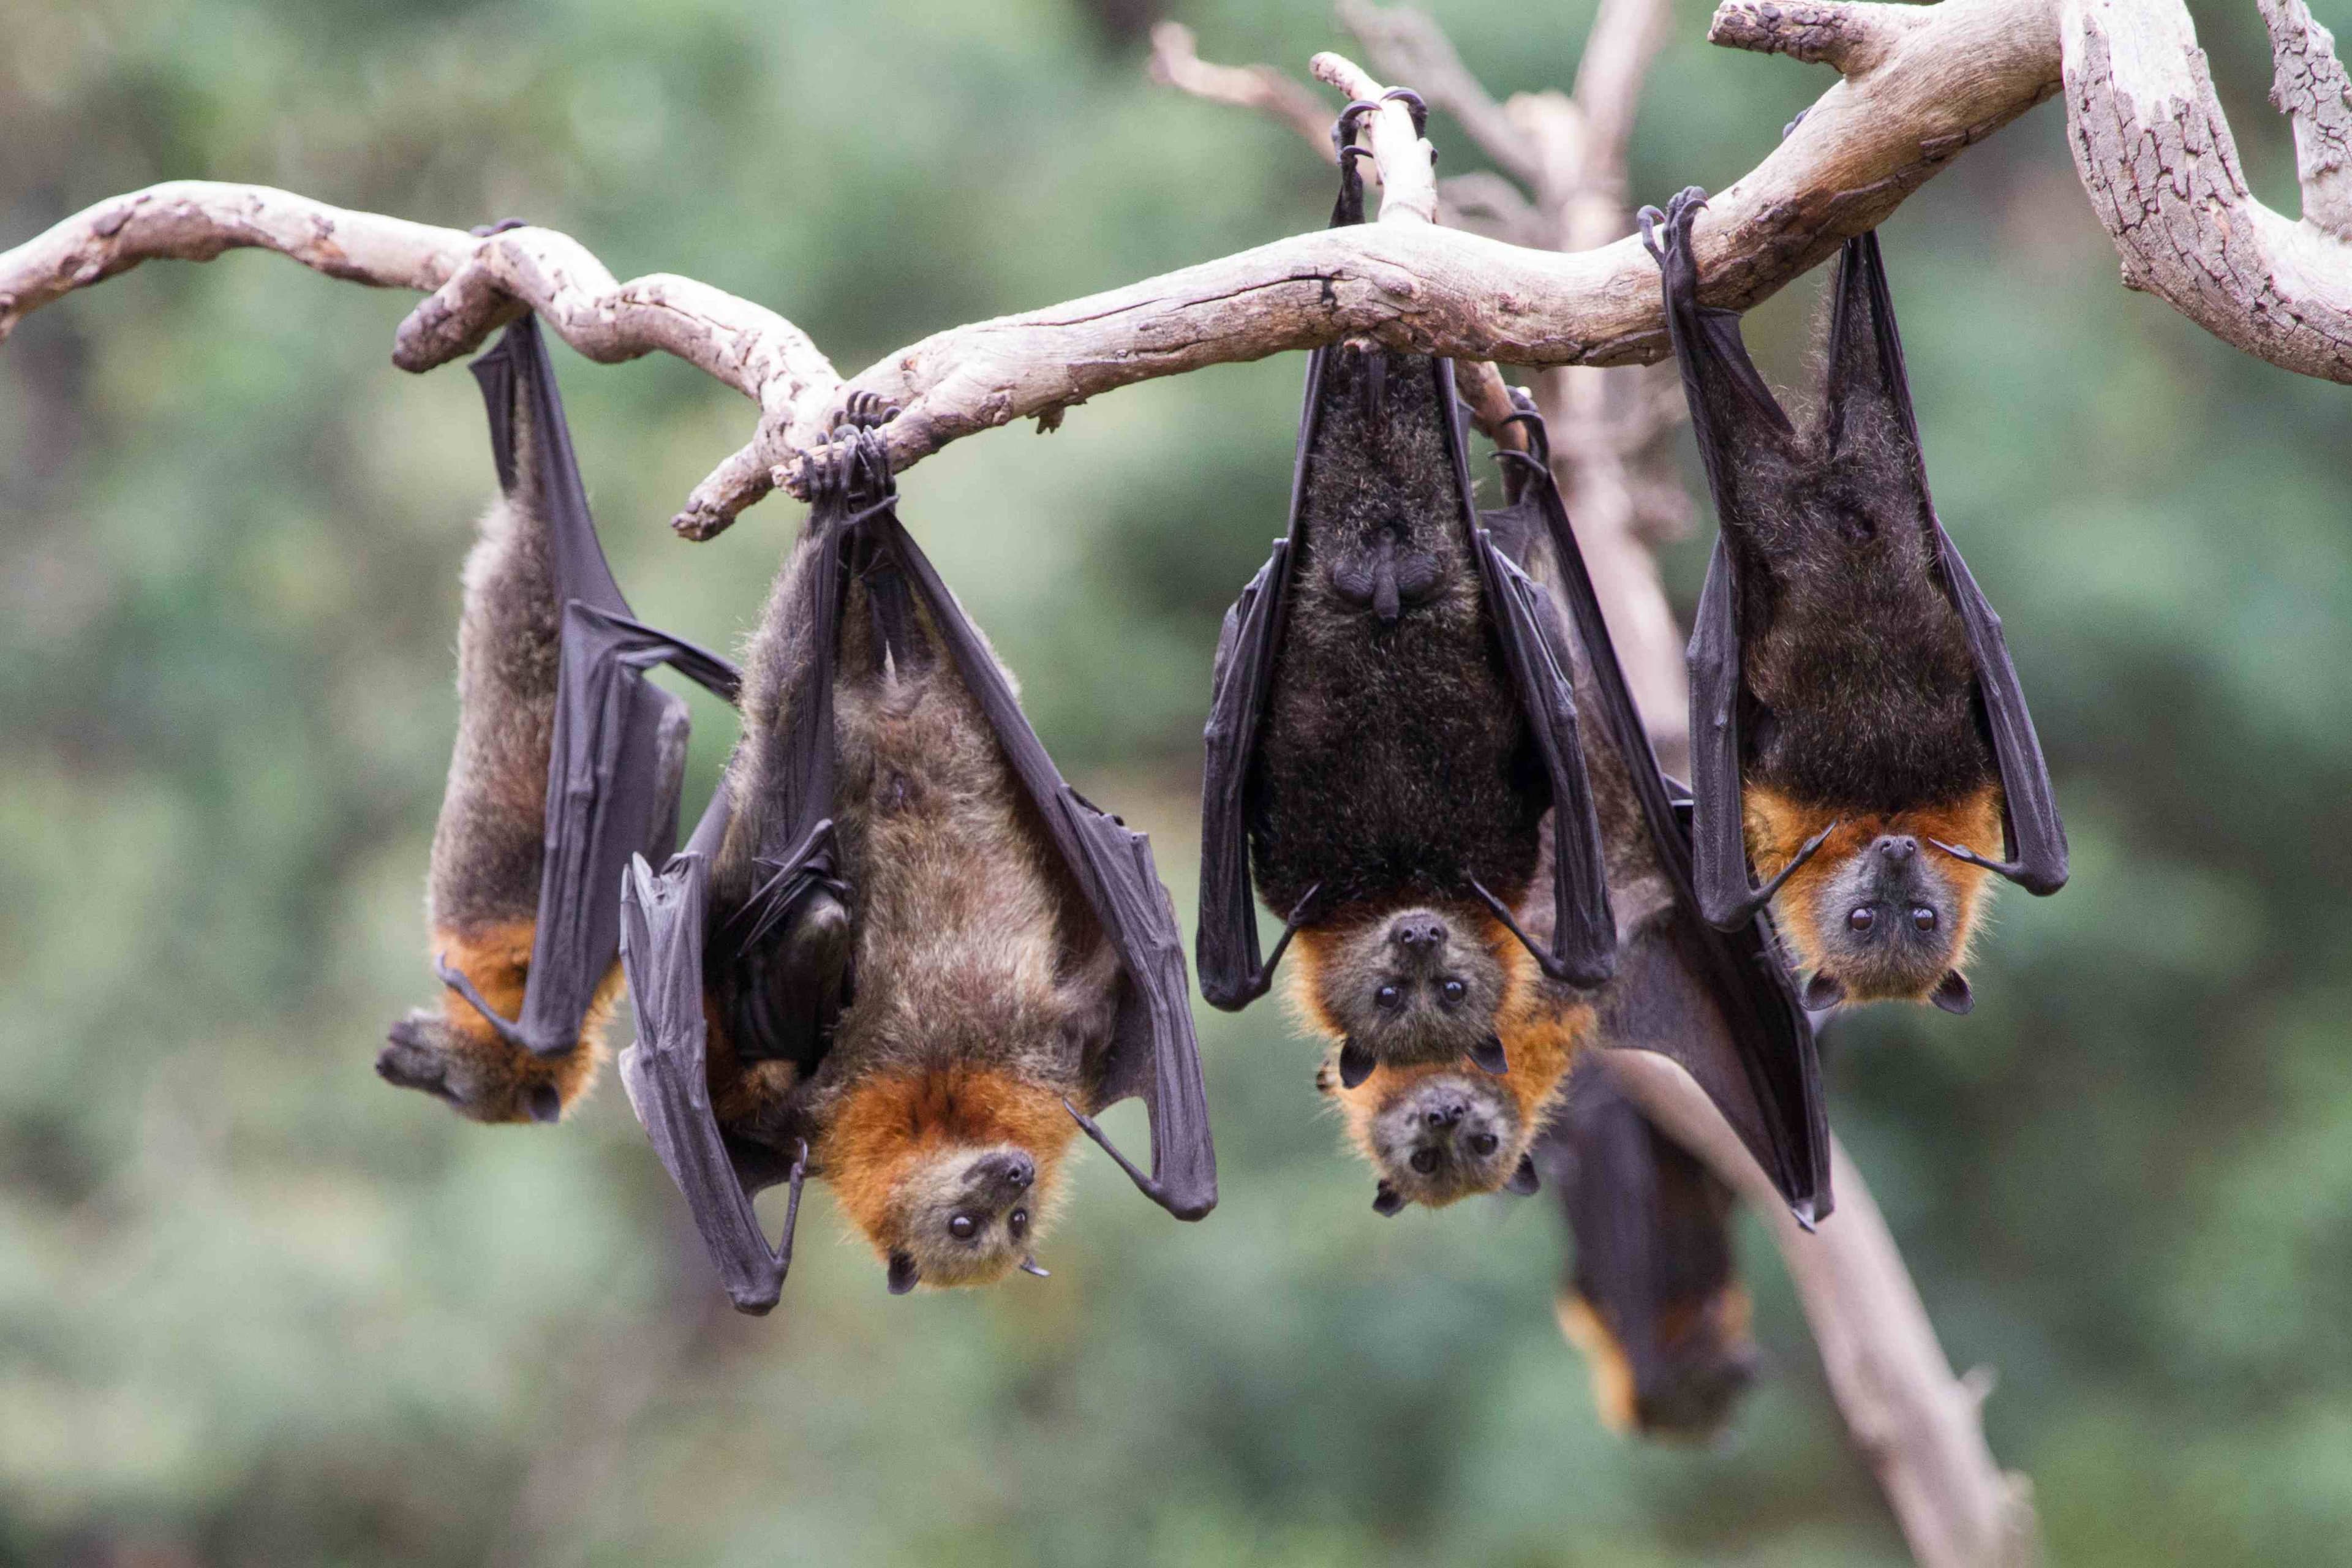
{"type": "Point", "coordinates": [899, 953]}
{"type": "Point", "coordinates": [1719, 1003]}
{"type": "Point", "coordinates": [1857, 727]}
{"type": "Point", "coordinates": [568, 762]}
{"type": "Point", "coordinates": [1650, 1293]}
{"type": "Point", "coordinates": [1388, 730]}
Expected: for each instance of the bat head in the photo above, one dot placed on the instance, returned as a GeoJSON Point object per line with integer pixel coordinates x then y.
{"type": "Point", "coordinates": [1418, 985]}
{"type": "Point", "coordinates": [950, 1174]}
{"type": "Point", "coordinates": [962, 1215]}
{"type": "Point", "coordinates": [1439, 1137]}
{"type": "Point", "coordinates": [1891, 919]}
{"type": "Point", "coordinates": [479, 1076]}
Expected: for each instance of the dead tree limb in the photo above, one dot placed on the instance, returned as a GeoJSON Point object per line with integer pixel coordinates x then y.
{"type": "Point", "coordinates": [2162, 172]}
{"type": "Point", "coordinates": [1965, 69]}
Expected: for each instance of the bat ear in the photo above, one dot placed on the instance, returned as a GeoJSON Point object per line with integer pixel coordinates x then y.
{"type": "Point", "coordinates": [1356, 1064]}
{"type": "Point", "coordinates": [1523, 1181]}
{"type": "Point", "coordinates": [1824, 989]}
{"type": "Point", "coordinates": [1952, 994]}
{"type": "Point", "coordinates": [1385, 1201]}
{"type": "Point", "coordinates": [545, 1105]}
{"type": "Point", "coordinates": [903, 1274]}
{"type": "Point", "coordinates": [1488, 1055]}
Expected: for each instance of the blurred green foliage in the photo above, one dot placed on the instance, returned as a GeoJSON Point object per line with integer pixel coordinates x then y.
{"type": "Point", "coordinates": [256, 1307]}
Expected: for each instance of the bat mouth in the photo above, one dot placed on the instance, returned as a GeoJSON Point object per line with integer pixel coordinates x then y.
{"type": "Point", "coordinates": [411, 1058]}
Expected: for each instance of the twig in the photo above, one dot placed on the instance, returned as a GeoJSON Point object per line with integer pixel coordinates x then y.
{"type": "Point", "coordinates": [1176, 62]}
{"type": "Point", "coordinates": [1410, 48]}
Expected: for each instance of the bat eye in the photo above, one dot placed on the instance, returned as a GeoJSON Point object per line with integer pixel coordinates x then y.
{"type": "Point", "coordinates": [1424, 1160]}
{"type": "Point", "coordinates": [1453, 991]}
{"type": "Point", "coordinates": [1389, 997]}
{"type": "Point", "coordinates": [1923, 918]}
{"type": "Point", "coordinates": [962, 1227]}
{"type": "Point", "coordinates": [1862, 919]}
{"type": "Point", "coordinates": [1484, 1143]}
{"type": "Point", "coordinates": [1017, 1223]}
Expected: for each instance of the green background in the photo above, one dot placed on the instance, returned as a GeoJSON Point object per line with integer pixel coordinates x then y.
{"type": "Point", "coordinates": [257, 1307]}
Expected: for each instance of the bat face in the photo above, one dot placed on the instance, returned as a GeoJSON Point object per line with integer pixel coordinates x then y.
{"type": "Point", "coordinates": [1420, 985]}
{"type": "Point", "coordinates": [1880, 913]}
{"type": "Point", "coordinates": [483, 1078]}
{"type": "Point", "coordinates": [949, 1175]}
{"type": "Point", "coordinates": [1440, 1137]}
{"type": "Point", "coordinates": [962, 1215]}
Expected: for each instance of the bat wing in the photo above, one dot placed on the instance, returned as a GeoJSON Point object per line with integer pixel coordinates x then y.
{"type": "Point", "coordinates": [1741, 428]}
{"type": "Point", "coordinates": [1719, 1004]}
{"type": "Point", "coordinates": [664, 922]}
{"type": "Point", "coordinates": [1153, 1052]}
{"type": "Point", "coordinates": [1653, 1268]}
{"type": "Point", "coordinates": [1231, 976]}
{"type": "Point", "coordinates": [1870, 393]}
{"type": "Point", "coordinates": [619, 742]}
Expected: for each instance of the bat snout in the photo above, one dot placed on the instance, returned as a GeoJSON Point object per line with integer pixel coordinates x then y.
{"type": "Point", "coordinates": [1008, 1173]}
{"type": "Point", "coordinates": [1895, 847]}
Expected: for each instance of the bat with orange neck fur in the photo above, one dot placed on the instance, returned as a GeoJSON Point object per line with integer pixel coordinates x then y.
{"type": "Point", "coordinates": [1389, 732]}
{"type": "Point", "coordinates": [568, 762]}
{"type": "Point", "coordinates": [1858, 730]}
{"type": "Point", "coordinates": [900, 953]}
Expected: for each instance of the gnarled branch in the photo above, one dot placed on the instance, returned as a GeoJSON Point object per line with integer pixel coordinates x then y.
{"type": "Point", "coordinates": [1966, 69]}
{"type": "Point", "coordinates": [2162, 172]}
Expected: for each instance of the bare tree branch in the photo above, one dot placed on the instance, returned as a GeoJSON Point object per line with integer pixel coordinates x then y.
{"type": "Point", "coordinates": [1406, 46]}
{"type": "Point", "coordinates": [1854, 38]}
{"type": "Point", "coordinates": [2162, 171]}
{"type": "Point", "coordinates": [1176, 62]}
{"type": "Point", "coordinates": [1918, 1425]}
{"type": "Point", "coordinates": [2309, 85]}
{"type": "Point", "coordinates": [1968, 68]}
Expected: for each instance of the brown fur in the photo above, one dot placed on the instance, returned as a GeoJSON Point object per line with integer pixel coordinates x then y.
{"type": "Point", "coordinates": [1540, 1033]}
{"type": "Point", "coordinates": [984, 992]}
{"type": "Point", "coordinates": [884, 1126]}
{"type": "Point", "coordinates": [1721, 1320]}
{"type": "Point", "coordinates": [1778, 827]}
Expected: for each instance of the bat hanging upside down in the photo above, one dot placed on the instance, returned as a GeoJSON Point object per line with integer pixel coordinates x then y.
{"type": "Point", "coordinates": [900, 953]}
{"type": "Point", "coordinates": [1390, 734]}
{"type": "Point", "coordinates": [568, 762]}
{"type": "Point", "coordinates": [1857, 726]}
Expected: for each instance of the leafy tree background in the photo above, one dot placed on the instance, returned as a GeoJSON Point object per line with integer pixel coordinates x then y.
{"type": "Point", "coordinates": [257, 1307]}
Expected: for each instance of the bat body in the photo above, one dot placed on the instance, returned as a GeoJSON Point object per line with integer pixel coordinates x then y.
{"type": "Point", "coordinates": [901, 955]}
{"type": "Point", "coordinates": [1719, 1003]}
{"type": "Point", "coordinates": [1389, 733]}
{"type": "Point", "coordinates": [1858, 729]}
{"type": "Point", "coordinates": [1650, 1294]}
{"type": "Point", "coordinates": [567, 763]}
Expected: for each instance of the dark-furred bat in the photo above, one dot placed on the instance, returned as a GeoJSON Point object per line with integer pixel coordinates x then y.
{"type": "Point", "coordinates": [1857, 728]}
{"type": "Point", "coordinates": [900, 953]}
{"type": "Point", "coordinates": [1719, 1003]}
{"type": "Point", "coordinates": [1651, 1292]}
{"type": "Point", "coordinates": [1388, 730]}
{"type": "Point", "coordinates": [568, 762]}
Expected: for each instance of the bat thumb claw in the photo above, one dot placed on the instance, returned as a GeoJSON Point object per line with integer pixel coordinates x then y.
{"type": "Point", "coordinates": [1031, 1265]}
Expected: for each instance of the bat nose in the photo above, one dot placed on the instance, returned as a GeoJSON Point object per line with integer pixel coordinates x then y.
{"type": "Point", "coordinates": [1012, 1171]}
{"type": "Point", "coordinates": [1897, 847]}
{"type": "Point", "coordinates": [1444, 1112]}
{"type": "Point", "coordinates": [1417, 933]}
